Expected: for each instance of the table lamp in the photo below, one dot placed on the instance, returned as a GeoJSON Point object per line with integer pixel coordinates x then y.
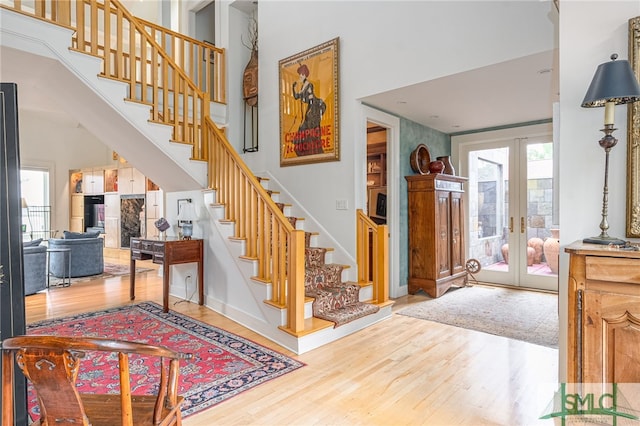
{"type": "Point", "coordinates": [614, 83]}
{"type": "Point", "coordinates": [186, 216]}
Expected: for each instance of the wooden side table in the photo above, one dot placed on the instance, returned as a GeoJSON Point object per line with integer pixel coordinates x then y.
{"type": "Point", "coordinates": [167, 251]}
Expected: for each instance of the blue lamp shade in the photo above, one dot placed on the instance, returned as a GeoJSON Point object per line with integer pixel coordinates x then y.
{"type": "Point", "coordinates": [613, 81]}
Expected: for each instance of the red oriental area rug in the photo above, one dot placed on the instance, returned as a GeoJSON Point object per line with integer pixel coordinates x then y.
{"type": "Point", "coordinates": [223, 365]}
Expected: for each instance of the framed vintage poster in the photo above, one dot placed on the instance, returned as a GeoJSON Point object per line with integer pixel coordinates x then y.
{"type": "Point", "coordinates": [309, 126]}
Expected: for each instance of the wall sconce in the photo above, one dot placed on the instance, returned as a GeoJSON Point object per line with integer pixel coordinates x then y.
{"type": "Point", "coordinates": [613, 83]}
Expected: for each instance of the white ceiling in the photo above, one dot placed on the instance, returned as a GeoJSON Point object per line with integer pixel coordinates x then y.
{"type": "Point", "coordinates": [517, 91]}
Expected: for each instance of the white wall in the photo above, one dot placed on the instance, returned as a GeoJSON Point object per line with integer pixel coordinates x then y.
{"type": "Point", "coordinates": [56, 142]}
{"type": "Point", "coordinates": [398, 44]}
{"type": "Point", "coordinates": [589, 33]}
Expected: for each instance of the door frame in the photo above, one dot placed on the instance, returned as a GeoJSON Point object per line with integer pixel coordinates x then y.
{"type": "Point", "coordinates": [392, 123]}
{"type": "Point", "coordinates": [460, 143]}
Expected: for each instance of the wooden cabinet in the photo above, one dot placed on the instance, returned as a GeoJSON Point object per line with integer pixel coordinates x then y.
{"type": "Point", "coordinates": [93, 181]}
{"type": "Point", "coordinates": [131, 181]}
{"type": "Point", "coordinates": [436, 233]}
{"type": "Point", "coordinates": [603, 314]}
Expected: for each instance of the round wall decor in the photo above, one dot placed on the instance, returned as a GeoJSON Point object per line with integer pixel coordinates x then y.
{"type": "Point", "coordinates": [420, 159]}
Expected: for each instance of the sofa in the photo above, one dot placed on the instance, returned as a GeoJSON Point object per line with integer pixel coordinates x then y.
{"type": "Point", "coordinates": [35, 266]}
{"type": "Point", "coordinates": [86, 250]}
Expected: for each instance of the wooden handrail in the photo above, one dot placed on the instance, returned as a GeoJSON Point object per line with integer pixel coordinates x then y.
{"type": "Point", "coordinates": [269, 237]}
{"type": "Point", "coordinates": [372, 255]}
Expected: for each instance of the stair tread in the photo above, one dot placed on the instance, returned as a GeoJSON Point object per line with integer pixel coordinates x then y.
{"type": "Point", "coordinates": [348, 313]}
{"type": "Point", "coordinates": [311, 325]}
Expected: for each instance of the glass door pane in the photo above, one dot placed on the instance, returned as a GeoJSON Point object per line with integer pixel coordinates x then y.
{"type": "Point", "coordinates": [489, 217]}
{"type": "Point", "coordinates": [541, 270]}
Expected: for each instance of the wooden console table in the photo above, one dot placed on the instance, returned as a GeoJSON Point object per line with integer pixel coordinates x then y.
{"type": "Point", "coordinates": [167, 251]}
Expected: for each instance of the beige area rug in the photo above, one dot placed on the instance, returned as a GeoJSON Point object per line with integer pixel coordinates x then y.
{"type": "Point", "coordinates": [530, 316]}
{"type": "Point", "coordinates": [110, 270]}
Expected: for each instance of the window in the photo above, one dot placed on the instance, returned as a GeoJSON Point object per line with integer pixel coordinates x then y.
{"type": "Point", "coordinates": [36, 208]}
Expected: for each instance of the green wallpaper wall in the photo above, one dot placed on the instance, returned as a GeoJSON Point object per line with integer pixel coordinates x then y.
{"type": "Point", "coordinates": [411, 135]}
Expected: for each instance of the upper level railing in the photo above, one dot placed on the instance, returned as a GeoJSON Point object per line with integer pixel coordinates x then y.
{"type": "Point", "coordinates": [269, 237]}
{"type": "Point", "coordinates": [202, 61]}
{"type": "Point", "coordinates": [106, 29]}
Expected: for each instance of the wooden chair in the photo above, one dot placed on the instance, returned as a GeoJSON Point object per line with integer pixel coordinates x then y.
{"type": "Point", "coordinates": [51, 364]}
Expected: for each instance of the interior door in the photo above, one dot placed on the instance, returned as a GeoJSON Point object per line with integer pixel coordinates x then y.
{"type": "Point", "coordinates": [510, 216]}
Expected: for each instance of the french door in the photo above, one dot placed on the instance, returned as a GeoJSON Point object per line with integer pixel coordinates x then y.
{"type": "Point", "coordinates": [510, 196]}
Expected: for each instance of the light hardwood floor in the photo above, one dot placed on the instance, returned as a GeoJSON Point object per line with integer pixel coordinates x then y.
{"type": "Point", "coordinates": [401, 371]}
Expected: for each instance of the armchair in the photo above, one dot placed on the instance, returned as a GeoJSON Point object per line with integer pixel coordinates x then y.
{"type": "Point", "coordinates": [35, 267]}
{"type": "Point", "coordinates": [87, 257]}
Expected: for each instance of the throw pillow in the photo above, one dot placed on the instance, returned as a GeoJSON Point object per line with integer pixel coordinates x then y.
{"type": "Point", "coordinates": [68, 235]}
{"type": "Point", "coordinates": [32, 243]}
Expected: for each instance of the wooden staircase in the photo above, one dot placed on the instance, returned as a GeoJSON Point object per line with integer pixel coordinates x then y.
{"type": "Point", "coordinates": [333, 299]}
{"type": "Point", "coordinates": [272, 245]}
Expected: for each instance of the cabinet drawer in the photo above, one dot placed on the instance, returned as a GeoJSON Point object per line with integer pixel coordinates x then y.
{"type": "Point", "coordinates": [185, 251]}
{"type": "Point", "coordinates": [135, 244]}
{"type": "Point", "coordinates": [147, 246]}
{"type": "Point", "coordinates": [158, 253]}
{"type": "Point", "coordinates": [613, 269]}
{"type": "Point", "coordinates": [138, 255]}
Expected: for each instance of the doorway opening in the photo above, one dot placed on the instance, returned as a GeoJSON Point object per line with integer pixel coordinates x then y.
{"type": "Point", "coordinates": [389, 204]}
{"type": "Point", "coordinates": [377, 173]}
